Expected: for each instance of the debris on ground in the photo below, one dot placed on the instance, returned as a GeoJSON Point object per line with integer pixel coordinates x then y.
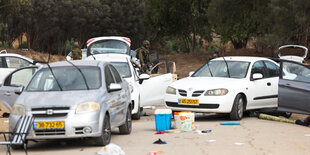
{"type": "Point", "coordinates": [155, 152]}
{"type": "Point", "coordinates": [160, 132]}
{"type": "Point", "coordinates": [159, 141]}
{"type": "Point", "coordinates": [279, 119]}
{"type": "Point", "coordinates": [230, 123]}
{"type": "Point", "coordinates": [238, 143]}
{"type": "Point", "coordinates": [206, 131]}
{"type": "Point", "coordinates": [111, 149]}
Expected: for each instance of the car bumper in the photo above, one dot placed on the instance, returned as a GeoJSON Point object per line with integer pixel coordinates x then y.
{"type": "Point", "coordinates": [74, 125]}
{"type": "Point", "coordinates": [212, 104]}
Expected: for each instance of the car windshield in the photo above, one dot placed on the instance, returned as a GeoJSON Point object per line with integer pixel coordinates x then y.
{"type": "Point", "coordinates": [69, 78]}
{"type": "Point", "coordinates": [109, 46]}
{"type": "Point", "coordinates": [237, 69]}
{"type": "Point", "coordinates": [122, 68]}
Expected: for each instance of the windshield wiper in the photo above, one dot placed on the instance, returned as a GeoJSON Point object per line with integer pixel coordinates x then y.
{"type": "Point", "coordinates": [227, 67]}
{"type": "Point", "coordinates": [49, 67]}
{"type": "Point", "coordinates": [209, 69]}
{"type": "Point", "coordinates": [80, 73]}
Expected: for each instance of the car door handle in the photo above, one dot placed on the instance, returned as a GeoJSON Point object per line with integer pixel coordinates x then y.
{"type": "Point", "coordinates": [7, 93]}
{"type": "Point", "coordinates": [268, 84]}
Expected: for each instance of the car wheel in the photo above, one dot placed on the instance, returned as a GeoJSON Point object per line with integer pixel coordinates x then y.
{"type": "Point", "coordinates": [137, 116]}
{"type": "Point", "coordinates": [126, 128]}
{"type": "Point", "coordinates": [105, 137]}
{"type": "Point", "coordinates": [238, 108]}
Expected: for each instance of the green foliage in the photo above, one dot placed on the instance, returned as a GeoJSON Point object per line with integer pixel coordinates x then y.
{"type": "Point", "coordinates": [178, 18]}
{"type": "Point", "coordinates": [236, 20]}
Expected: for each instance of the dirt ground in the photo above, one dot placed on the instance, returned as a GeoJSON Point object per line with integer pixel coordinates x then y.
{"type": "Point", "coordinates": [253, 136]}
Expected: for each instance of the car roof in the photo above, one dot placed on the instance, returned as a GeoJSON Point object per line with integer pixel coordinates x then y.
{"type": "Point", "coordinates": [15, 55]}
{"type": "Point", "coordinates": [123, 39]}
{"type": "Point", "coordinates": [242, 58]}
{"type": "Point", "coordinates": [75, 62]}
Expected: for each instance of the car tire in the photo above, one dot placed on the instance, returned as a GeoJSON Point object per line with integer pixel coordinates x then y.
{"type": "Point", "coordinates": [238, 108]}
{"type": "Point", "coordinates": [137, 116]}
{"type": "Point", "coordinates": [105, 137]}
{"type": "Point", "coordinates": [126, 128]}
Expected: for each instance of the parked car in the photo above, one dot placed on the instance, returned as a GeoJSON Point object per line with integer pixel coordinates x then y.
{"type": "Point", "coordinates": [76, 99]}
{"type": "Point", "coordinates": [294, 83]}
{"type": "Point", "coordinates": [10, 61]}
{"type": "Point", "coordinates": [146, 90]}
{"type": "Point", "coordinates": [18, 78]}
{"type": "Point", "coordinates": [227, 85]}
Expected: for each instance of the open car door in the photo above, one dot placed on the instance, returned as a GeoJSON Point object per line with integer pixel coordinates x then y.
{"type": "Point", "coordinates": [18, 78]}
{"type": "Point", "coordinates": [294, 87]}
{"type": "Point", "coordinates": [152, 91]}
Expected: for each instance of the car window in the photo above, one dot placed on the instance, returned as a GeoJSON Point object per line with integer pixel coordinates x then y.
{"type": "Point", "coordinates": [20, 78]}
{"type": "Point", "coordinates": [258, 67]}
{"type": "Point", "coordinates": [108, 76]}
{"type": "Point", "coordinates": [237, 69]}
{"type": "Point", "coordinates": [122, 68]}
{"type": "Point", "coordinates": [296, 72]}
{"type": "Point", "coordinates": [116, 74]}
{"type": "Point", "coordinates": [69, 78]}
{"type": "Point", "coordinates": [14, 62]}
{"type": "Point", "coordinates": [272, 69]}
{"type": "Point", "coordinates": [109, 46]}
{"type": "Point", "coordinates": [2, 64]}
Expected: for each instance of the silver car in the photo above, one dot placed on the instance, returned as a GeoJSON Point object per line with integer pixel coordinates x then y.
{"type": "Point", "coordinates": [75, 99]}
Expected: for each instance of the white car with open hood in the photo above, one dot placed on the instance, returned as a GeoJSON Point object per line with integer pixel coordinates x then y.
{"type": "Point", "coordinates": [248, 83]}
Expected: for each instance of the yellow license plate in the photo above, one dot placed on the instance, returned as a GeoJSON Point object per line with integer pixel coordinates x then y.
{"type": "Point", "coordinates": [189, 101]}
{"type": "Point", "coordinates": [49, 125]}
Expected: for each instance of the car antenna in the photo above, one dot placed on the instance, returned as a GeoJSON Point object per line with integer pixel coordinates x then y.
{"type": "Point", "coordinates": [49, 67]}
{"type": "Point", "coordinates": [80, 73]}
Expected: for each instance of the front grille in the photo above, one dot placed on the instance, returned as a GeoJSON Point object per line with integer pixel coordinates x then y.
{"type": "Point", "coordinates": [197, 93]}
{"type": "Point", "coordinates": [206, 106]}
{"type": "Point", "coordinates": [50, 112]}
{"type": "Point", "coordinates": [182, 92]}
{"type": "Point", "coordinates": [49, 132]}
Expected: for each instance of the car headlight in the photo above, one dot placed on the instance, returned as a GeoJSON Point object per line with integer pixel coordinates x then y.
{"type": "Point", "coordinates": [170, 90]}
{"type": "Point", "coordinates": [18, 109]}
{"type": "Point", "coordinates": [87, 107]}
{"type": "Point", "coordinates": [216, 92]}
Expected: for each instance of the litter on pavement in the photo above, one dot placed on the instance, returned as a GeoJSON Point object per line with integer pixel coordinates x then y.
{"type": "Point", "coordinates": [160, 132]}
{"type": "Point", "coordinates": [159, 141]}
{"type": "Point", "coordinates": [155, 152]}
{"type": "Point", "coordinates": [238, 143]}
{"type": "Point", "coordinates": [230, 123]}
{"type": "Point", "coordinates": [111, 149]}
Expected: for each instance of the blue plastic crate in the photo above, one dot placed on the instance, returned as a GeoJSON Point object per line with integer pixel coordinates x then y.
{"type": "Point", "coordinates": [163, 122]}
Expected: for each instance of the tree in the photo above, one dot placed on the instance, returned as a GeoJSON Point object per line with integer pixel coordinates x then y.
{"type": "Point", "coordinates": [236, 20]}
{"type": "Point", "coordinates": [186, 19]}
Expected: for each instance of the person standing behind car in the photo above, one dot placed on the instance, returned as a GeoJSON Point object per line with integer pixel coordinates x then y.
{"type": "Point", "coordinates": [144, 55]}
{"type": "Point", "coordinates": [76, 52]}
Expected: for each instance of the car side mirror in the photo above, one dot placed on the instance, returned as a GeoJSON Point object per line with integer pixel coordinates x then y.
{"type": "Point", "coordinates": [143, 77]}
{"type": "Point", "coordinates": [257, 76]}
{"type": "Point", "coordinates": [5, 115]}
{"type": "Point", "coordinates": [114, 87]}
{"type": "Point", "coordinates": [19, 90]}
{"type": "Point", "coordinates": [190, 73]}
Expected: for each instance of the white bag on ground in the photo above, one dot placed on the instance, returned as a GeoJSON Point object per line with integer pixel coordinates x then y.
{"type": "Point", "coordinates": [111, 149]}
